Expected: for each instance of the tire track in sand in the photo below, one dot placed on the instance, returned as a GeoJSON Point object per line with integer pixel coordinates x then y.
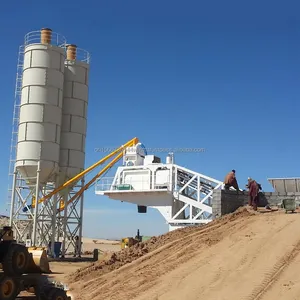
{"type": "Point", "coordinates": [271, 277]}
{"type": "Point", "coordinates": [245, 260]}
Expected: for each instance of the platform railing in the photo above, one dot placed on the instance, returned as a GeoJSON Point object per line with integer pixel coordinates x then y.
{"type": "Point", "coordinates": [106, 184]}
{"type": "Point", "coordinates": [34, 37]}
{"type": "Point", "coordinates": [83, 55]}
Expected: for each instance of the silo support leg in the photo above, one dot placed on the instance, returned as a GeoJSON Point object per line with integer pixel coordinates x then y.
{"type": "Point", "coordinates": [36, 211]}
{"type": "Point", "coordinates": [54, 208]}
{"type": "Point", "coordinates": [65, 220]}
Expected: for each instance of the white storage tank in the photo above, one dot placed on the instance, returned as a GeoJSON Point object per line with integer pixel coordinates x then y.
{"type": "Point", "coordinates": [41, 106]}
{"type": "Point", "coordinates": [170, 158]}
{"type": "Point", "coordinates": [74, 113]}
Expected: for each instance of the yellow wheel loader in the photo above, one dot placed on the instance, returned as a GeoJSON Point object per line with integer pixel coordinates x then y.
{"type": "Point", "coordinates": [17, 259]}
{"type": "Point", "coordinates": [22, 271]}
{"type": "Point", "coordinates": [14, 258]}
{"type": "Point", "coordinates": [130, 241]}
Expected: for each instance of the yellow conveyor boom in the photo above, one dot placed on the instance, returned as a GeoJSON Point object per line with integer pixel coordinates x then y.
{"type": "Point", "coordinates": [76, 178]}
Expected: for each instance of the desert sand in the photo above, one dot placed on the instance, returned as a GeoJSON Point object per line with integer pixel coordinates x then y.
{"type": "Point", "coordinates": [103, 245]}
{"type": "Point", "coordinates": [61, 269]}
{"type": "Point", "coordinates": [242, 256]}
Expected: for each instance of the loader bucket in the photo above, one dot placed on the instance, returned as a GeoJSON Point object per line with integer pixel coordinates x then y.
{"type": "Point", "coordinates": [69, 295]}
{"type": "Point", "coordinates": [38, 262]}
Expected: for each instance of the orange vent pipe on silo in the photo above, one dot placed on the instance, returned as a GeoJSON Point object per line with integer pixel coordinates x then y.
{"type": "Point", "coordinates": [71, 52]}
{"type": "Point", "coordinates": [46, 35]}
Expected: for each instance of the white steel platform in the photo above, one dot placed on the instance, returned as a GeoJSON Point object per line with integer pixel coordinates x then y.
{"type": "Point", "coordinates": [182, 196]}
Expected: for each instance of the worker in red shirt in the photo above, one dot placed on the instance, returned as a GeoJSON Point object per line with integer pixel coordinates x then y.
{"type": "Point", "coordinates": [230, 181]}
{"type": "Point", "coordinates": [253, 193]}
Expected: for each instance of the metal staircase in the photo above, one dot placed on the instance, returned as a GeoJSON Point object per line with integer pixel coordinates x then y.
{"type": "Point", "coordinates": [184, 176]}
{"type": "Point", "coordinates": [193, 194]}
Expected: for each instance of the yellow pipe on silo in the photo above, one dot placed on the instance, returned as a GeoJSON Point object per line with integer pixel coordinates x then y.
{"type": "Point", "coordinates": [46, 35]}
{"type": "Point", "coordinates": [71, 52]}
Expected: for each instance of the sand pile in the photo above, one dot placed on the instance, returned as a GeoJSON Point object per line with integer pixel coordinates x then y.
{"type": "Point", "coordinates": [167, 251]}
{"type": "Point", "coordinates": [118, 259]}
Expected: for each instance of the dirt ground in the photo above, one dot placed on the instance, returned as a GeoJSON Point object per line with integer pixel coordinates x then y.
{"type": "Point", "coordinates": [243, 256]}
{"type": "Point", "coordinates": [61, 270]}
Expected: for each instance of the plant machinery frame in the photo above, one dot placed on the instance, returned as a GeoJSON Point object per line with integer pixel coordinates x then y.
{"type": "Point", "coordinates": [184, 198]}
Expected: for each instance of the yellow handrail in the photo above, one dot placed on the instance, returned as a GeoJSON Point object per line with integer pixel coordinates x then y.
{"type": "Point", "coordinates": [130, 143]}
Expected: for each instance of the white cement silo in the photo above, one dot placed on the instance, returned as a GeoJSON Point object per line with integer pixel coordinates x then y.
{"type": "Point", "coordinates": [41, 107]}
{"type": "Point", "coordinates": [74, 113]}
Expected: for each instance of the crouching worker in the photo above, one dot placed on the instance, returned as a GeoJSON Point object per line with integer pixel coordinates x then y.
{"type": "Point", "coordinates": [230, 181]}
{"type": "Point", "coordinates": [253, 193]}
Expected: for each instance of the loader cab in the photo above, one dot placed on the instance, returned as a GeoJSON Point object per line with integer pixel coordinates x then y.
{"type": "Point", "coordinates": [6, 234]}
{"type": "Point", "coordinates": [6, 239]}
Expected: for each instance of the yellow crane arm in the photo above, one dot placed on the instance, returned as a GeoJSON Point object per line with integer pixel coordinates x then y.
{"type": "Point", "coordinates": [130, 143]}
{"type": "Point", "coordinates": [85, 187]}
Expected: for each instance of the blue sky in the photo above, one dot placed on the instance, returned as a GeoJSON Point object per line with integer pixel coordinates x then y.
{"type": "Point", "coordinates": [219, 75]}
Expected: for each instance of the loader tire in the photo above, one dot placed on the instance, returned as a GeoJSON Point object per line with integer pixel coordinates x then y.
{"type": "Point", "coordinates": [16, 260]}
{"type": "Point", "coordinates": [57, 294]}
{"type": "Point", "coordinates": [9, 289]}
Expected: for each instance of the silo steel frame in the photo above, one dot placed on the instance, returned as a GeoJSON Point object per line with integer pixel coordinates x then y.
{"type": "Point", "coordinates": [28, 224]}
{"type": "Point", "coordinates": [40, 222]}
{"type": "Point", "coordinates": [73, 134]}
{"type": "Point", "coordinates": [70, 218]}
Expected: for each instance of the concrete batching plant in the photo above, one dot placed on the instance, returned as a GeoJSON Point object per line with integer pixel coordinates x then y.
{"type": "Point", "coordinates": [48, 140]}
{"type": "Point", "coordinates": [48, 153]}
